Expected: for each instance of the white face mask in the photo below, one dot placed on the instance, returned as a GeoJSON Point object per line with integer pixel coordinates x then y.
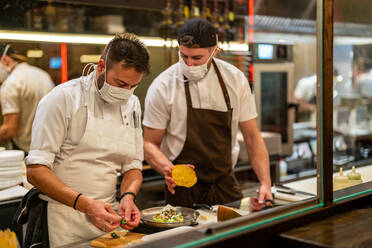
{"type": "Point", "coordinates": [4, 70]}
{"type": "Point", "coordinates": [197, 72]}
{"type": "Point", "coordinates": [112, 94]}
{"type": "Point", "coordinates": [4, 73]}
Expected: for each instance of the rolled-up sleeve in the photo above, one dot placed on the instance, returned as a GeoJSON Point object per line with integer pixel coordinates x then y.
{"type": "Point", "coordinates": [247, 101]}
{"type": "Point", "coordinates": [48, 129]}
{"type": "Point", "coordinates": [10, 97]}
{"type": "Point", "coordinates": [136, 162]}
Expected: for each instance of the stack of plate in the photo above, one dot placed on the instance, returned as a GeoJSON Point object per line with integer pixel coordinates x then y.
{"type": "Point", "coordinates": [11, 168]}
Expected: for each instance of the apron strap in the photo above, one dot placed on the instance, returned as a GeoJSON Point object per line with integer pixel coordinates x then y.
{"type": "Point", "coordinates": [222, 84]}
{"type": "Point", "coordinates": [187, 92]}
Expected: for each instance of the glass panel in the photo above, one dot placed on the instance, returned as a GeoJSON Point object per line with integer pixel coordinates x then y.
{"type": "Point", "coordinates": [284, 84]}
{"type": "Point", "coordinates": [352, 141]}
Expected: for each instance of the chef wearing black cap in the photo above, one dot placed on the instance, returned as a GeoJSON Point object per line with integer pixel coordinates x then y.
{"type": "Point", "coordinates": [192, 114]}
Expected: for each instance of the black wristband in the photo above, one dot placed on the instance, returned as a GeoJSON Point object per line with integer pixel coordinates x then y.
{"type": "Point", "coordinates": [77, 197]}
{"type": "Point", "coordinates": [127, 193]}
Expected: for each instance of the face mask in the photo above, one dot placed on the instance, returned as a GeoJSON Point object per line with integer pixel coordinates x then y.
{"type": "Point", "coordinates": [4, 70]}
{"type": "Point", "coordinates": [112, 94]}
{"type": "Point", "coordinates": [4, 73]}
{"type": "Point", "coordinates": [195, 73]}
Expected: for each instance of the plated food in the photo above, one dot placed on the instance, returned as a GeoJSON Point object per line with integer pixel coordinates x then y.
{"type": "Point", "coordinates": [189, 215]}
{"type": "Point", "coordinates": [184, 175]}
{"type": "Point", "coordinates": [168, 214]}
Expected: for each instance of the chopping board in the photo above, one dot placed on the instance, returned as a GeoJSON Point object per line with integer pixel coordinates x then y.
{"type": "Point", "coordinates": [125, 237]}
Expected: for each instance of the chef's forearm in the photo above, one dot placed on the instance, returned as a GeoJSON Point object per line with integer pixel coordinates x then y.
{"type": "Point", "coordinates": [155, 157]}
{"type": "Point", "coordinates": [7, 132]}
{"type": "Point", "coordinates": [47, 182]}
{"type": "Point", "coordinates": [132, 181]}
{"type": "Point", "coordinates": [259, 158]}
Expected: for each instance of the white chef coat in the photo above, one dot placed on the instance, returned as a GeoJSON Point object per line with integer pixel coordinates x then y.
{"type": "Point", "coordinates": [306, 88]}
{"type": "Point", "coordinates": [20, 94]}
{"type": "Point", "coordinates": [165, 103]}
{"type": "Point", "coordinates": [364, 84]}
{"type": "Point", "coordinates": [61, 119]}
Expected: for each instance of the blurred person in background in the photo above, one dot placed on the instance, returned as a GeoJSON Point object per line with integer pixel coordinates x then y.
{"type": "Point", "coordinates": [305, 95]}
{"type": "Point", "coordinates": [22, 87]}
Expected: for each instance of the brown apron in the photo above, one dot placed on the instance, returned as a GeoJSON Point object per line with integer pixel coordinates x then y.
{"type": "Point", "coordinates": [208, 147]}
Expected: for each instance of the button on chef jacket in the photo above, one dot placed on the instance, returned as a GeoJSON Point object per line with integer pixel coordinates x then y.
{"type": "Point", "coordinates": [61, 118]}
{"type": "Point", "coordinates": [165, 103]}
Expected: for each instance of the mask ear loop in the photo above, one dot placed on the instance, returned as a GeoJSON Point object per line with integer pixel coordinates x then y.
{"type": "Point", "coordinates": [89, 66]}
{"type": "Point", "coordinates": [5, 51]}
{"type": "Point", "coordinates": [85, 67]}
{"type": "Point", "coordinates": [108, 50]}
{"type": "Point", "coordinates": [106, 63]}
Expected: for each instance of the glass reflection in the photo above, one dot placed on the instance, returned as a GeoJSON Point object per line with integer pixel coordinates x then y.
{"type": "Point", "coordinates": [352, 139]}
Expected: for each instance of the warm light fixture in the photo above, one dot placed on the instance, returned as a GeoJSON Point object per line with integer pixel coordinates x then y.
{"type": "Point", "coordinates": [90, 58]}
{"type": "Point", "coordinates": [97, 39]}
{"type": "Point", "coordinates": [34, 53]}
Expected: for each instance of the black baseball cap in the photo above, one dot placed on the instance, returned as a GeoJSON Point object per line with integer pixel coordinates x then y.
{"type": "Point", "coordinates": [197, 33]}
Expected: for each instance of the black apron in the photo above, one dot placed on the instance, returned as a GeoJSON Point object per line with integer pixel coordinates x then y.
{"type": "Point", "coordinates": [208, 147]}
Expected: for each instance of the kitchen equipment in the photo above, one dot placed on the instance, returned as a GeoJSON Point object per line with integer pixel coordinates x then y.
{"type": "Point", "coordinates": [122, 239]}
{"type": "Point", "coordinates": [267, 204]}
{"type": "Point", "coordinates": [288, 194]}
{"type": "Point", "coordinates": [190, 217]}
{"type": "Point", "coordinates": [284, 189]}
{"type": "Point", "coordinates": [202, 206]}
{"type": "Point", "coordinates": [273, 88]}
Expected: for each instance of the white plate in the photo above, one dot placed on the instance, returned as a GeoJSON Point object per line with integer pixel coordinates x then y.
{"type": "Point", "coordinates": [11, 155]}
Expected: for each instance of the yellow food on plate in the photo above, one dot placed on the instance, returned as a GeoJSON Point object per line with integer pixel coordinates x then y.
{"type": "Point", "coordinates": [184, 176]}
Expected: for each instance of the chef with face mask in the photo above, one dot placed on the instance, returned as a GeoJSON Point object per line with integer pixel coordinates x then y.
{"type": "Point", "coordinates": [22, 87]}
{"type": "Point", "coordinates": [193, 111]}
{"type": "Point", "coordinates": [4, 70]}
{"type": "Point", "coordinates": [85, 132]}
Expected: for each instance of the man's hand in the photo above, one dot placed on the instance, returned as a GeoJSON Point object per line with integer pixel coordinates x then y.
{"type": "Point", "coordinates": [167, 172]}
{"type": "Point", "coordinates": [168, 177]}
{"type": "Point", "coordinates": [264, 193]}
{"type": "Point", "coordinates": [102, 215]}
{"type": "Point", "coordinates": [129, 212]}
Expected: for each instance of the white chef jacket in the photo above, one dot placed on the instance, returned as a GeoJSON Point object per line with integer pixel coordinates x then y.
{"type": "Point", "coordinates": [61, 119]}
{"type": "Point", "coordinates": [165, 104]}
{"type": "Point", "coordinates": [20, 94]}
{"type": "Point", "coordinates": [306, 88]}
{"type": "Point", "coordinates": [364, 84]}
